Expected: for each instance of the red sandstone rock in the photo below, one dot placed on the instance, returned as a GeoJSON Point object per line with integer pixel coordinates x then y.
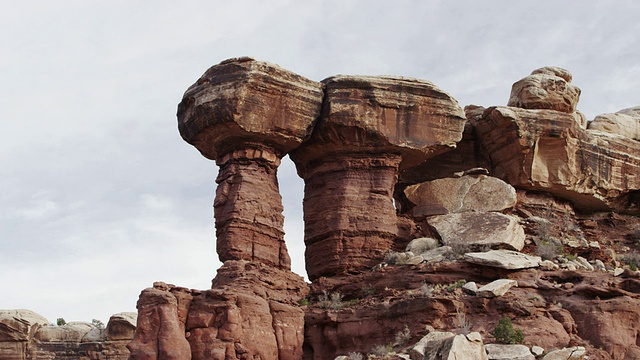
{"type": "Point", "coordinates": [246, 115]}
{"type": "Point", "coordinates": [370, 128]}
{"type": "Point", "coordinates": [548, 151]}
{"type": "Point", "coordinates": [159, 334]}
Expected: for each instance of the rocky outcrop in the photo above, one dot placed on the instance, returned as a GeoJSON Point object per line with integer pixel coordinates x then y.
{"type": "Point", "coordinates": [546, 88]}
{"type": "Point", "coordinates": [25, 335]}
{"type": "Point", "coordinates": [247, 115]}
{"type": "Point", "coordinates": [625, 122]}
{"type": "Point", "coordinates": [504, 259]}
{"type": "Point", "coordinates": [370, 129]}
{"type": "Point", "coordinates": [547, 151]}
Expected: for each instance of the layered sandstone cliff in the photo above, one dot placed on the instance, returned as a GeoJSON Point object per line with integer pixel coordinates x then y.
{"type": "Point", "coordinates": [407, 197]}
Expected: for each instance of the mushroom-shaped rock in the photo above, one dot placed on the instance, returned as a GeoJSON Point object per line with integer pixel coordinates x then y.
{"type": "Point", "coordinates": [370, 129]}
{"type": "Point", "coordinates": [247, 114]}
{"type": "Point", "coordinates": [546, 88]}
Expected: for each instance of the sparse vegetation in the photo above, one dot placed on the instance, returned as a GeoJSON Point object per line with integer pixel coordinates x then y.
{"type": "Point", "coordinates": [455, 285]}
{"type": "Point", "coordinates": [97, 323]}
{"type": "Point", "coordinates": [635, 236]}
{"type": "Point", "coordinates": [332, 301]}
{"type": "Point", "coordinates": [426, 290]}
{"type": "Point", "coordinates": [547, 250]}
{"type": "Point", "coordinates": [382, 350]}
{"type": "Point", "coordinates": [60, 322]}
{"type": "Point", "coordinates": [355, 356]}
{"type": "Point", "coordinates": [368, 290]}
{"type": "Point", "coordinates": [505, 333]}
{"type": "Point", "coordinates": [304, 302]}
{"type": "Point", "coordinates": [632, 259]}
{"type": "Point", "coordinates": [403, 337]}
{"type": "Point", "coordinates": [463, 324]}
{"type": "Point", "coordinates": [570, 256]}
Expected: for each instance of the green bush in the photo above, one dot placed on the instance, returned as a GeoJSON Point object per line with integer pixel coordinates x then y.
{"type": "Point", "coordinates": [505, 333]}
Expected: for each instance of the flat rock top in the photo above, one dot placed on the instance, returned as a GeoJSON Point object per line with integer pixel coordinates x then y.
{"type": "Point", "coordinates": [505, 259]}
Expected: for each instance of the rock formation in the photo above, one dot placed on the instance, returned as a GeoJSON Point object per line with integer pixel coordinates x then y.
{"type": "Point", "coordinates": [426, 229]}
{"type": "Point", "coordinates": [370, 129]}
{"type": "Point", "coordinates": [246, 115]}
{"type": "Point", "coordinates": [25, 335]}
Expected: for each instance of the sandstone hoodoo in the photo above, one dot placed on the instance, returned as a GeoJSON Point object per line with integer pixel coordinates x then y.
{"type": "Point", "coordinates": [370, 129]}
{"type": "Point", "coordinates": [502, 230]}
{"type": "Point", "coordinates": [247, 115]}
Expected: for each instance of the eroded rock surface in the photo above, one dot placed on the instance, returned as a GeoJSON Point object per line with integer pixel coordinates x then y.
{"type": "Point", "coordinates": [247, 115]}
{"type": "Point", "coordinates": [469, 193]}
{"type": "Point", "coordinates": [625, 122]}
{"type": "Point", "coordinates": [546, 88]}
{"type": "Point", "coordinates": [548, 151]}
{"type": "Point", "coordinates": [370, 129]}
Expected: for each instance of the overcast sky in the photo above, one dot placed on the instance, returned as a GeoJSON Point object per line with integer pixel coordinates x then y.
{"type": "Point", "coordinates": [100, 196]}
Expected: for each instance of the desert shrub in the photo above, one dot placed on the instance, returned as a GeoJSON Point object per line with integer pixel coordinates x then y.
{"type": "Point", "coordinates": [464, 325]}
{"type": "Point", "coordinates": [368, 289]}
{"type": "Point", "coordinates": [632, 259]}
{"type": "Point", "coordinates": [333, 301]}
{"type": "Point", "coordinates": [60, 322]}
{"type": "Point", "coordinates": [381, 350]}
{"type": "Point", "coordinates": [426, 290]}
{"type": "Point", "coordinates": [355, 356]}
{"type": "Point", "coordinates": [455, 285]}
{"type": "Point", "coordinates": [304, 302]}
{"type": "Point", "coordinates": [505, 333]}
{"type": "Point", "coordinates": [403, 337]}
{"type": "Point", "coordinates": [97, 323]}
{"type": "Point", "coordinates": [548, 250]}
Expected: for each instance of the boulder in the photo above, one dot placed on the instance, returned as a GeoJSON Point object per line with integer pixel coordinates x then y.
{"type": "Point", "coordinates": [547, 151]}
{"type": "Point", "coordinates": [546, 88]}
{"type": "Point", "coordinates": [69, 332]}
{"type": "Point", "coordinates": [505, 259]}
{"type": "Point", "coordinates": [121, 326]}
{"type": "Point", "coordinates": [478, 193]}
{"type": "Point", "coordinates": [20, 324]}
{"type": "Point", "coordinates": [508, 352]}
{"type": "Point", "coordinates": [370, 130]}
{"type": "Point", "coordinates": [572, 353]}
{"type": "Point", "coordinates": [437, 254]}
{"type": "Point", "coordinates": [624, 122]}
{"type": "Point", "coordinates": [447, 346]}
{"type": "Point", "coordinates": [496, 288]}
{"type": "Point", "coordinates": [477, 230]}
{"type": "Point", "coordinates": [422, 245]}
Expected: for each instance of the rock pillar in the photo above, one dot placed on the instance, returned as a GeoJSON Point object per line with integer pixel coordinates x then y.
{"type": "Point", "coordinates": [248, 208]}
{"type": "Point", "coordinates": [371, 129]}
{"type": "Point", "coordinates": [246, 115]}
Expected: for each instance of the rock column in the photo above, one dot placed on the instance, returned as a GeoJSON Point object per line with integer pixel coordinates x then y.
{"type": "Point", "coordinates": [370, 131]}
{"type": "Point", "coordinates": [246, 115]}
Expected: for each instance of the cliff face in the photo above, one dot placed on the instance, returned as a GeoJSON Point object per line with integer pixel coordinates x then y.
{"type": "Point", "coordinates": [422, 221]}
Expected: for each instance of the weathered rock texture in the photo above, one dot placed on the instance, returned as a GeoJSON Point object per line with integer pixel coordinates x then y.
{"type": "Point", "coordinates": [546, 88]}
{"type": "Point", "coordinates": [477, 193]}
{"type": "Point", "coordinates": [370, 129]}
{"type": "Point", "coordinates": [247, 115]}
{"type": "Point", "coordinates": [358, 148]}
{"type": "Point", "coordinates": [25, 335]}
{"type": "Point", "coordinates": [625, 122]}
{"type": "Point", "coordinates": [548, 151]}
